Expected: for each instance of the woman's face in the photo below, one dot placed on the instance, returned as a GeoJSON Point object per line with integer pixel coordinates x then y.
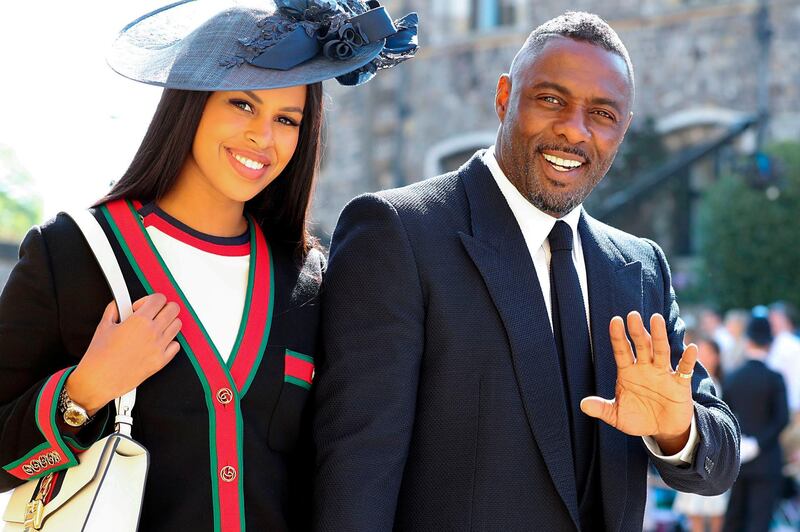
{"type": "Point", "coordinates": [708, 356]}
{"type": "Point", "coordinates": [244, 141]}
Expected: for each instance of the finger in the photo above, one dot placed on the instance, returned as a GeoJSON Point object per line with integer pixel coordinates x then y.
{"type": "Point", "coordinates": [139, 302]}
{"type": "Point", "coordinates": [151, 305]}
{"type": "Point", "coordinates": [166, 316]}
{"type": "Point", "coordinates": [661, 350]}
{"type": "Point", "coordinates": [623, 354]}
{"type": "Point", "coordinates": [686, 363]}
{"type": "Point", "coordinates": [602, 409]}
{"type": "Point", "coordinates": [172, 349]}
{"type": "Point", "coordinates": [641, 338]}
{"type": "Point", "coordinates": [110, 314]}
{"type": "Point", "coordinates": [171, 331]}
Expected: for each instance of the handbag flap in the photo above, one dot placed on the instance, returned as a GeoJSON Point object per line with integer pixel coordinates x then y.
{"type": "Point", "coordinates": [20, 497]}
{"type": "Point", "coordinates": [75, 479]}
{"type": "Point", "coordinates": [93, 463]}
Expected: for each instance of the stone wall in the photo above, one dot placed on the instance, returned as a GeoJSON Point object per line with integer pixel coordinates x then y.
{"type": "Point", "coordinates": [692, 57]}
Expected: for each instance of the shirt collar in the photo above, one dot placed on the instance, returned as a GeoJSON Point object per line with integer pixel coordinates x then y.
{"type": "Point", "coordinates": [535, 224]}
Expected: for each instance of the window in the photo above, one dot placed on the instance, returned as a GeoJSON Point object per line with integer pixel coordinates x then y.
{"type": "Point", "coordinates": [490, 14]}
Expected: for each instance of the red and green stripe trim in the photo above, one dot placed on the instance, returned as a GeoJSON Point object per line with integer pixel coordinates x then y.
{"type": "Point", "coordinates": [298, 369]}
{"type": "Point", "coordinates": [153, 219]}
{"type": "Point", "coordinates": [257, 314]}
{"type": "Point", "coordinates": [53, 454]}
{"type": "Point", "coordinates": [225, 423]}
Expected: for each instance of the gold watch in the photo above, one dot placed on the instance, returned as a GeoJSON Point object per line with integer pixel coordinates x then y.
{"type": "Point", "coordinates": [74, 414]}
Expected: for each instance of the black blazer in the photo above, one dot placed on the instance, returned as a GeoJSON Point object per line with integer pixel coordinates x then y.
{"type": "Point", "coordinates": [439, 404]}
{"type": "Point", "coordinates": [757, 397]}
{"type": "Point", "coordinates": [49, 309]}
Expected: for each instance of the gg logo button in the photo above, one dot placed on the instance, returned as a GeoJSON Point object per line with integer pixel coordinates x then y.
{"type": "Point", "coordinates": [227, 474]}
{"type": "Point", "coordinates": [224, 396]}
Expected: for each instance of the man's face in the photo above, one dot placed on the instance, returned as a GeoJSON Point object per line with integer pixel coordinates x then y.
{"type": "Point", "coordinates": [563, 116]}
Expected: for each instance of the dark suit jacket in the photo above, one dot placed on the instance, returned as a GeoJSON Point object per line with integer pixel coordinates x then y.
{"type": "Point", "coordinates": [757, 397]}
{"type": "Point", "coordinates": [439, 399]}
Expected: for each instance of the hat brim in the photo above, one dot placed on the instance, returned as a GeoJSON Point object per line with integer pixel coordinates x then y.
{"type": "Point", "coordinates": [185, 45]}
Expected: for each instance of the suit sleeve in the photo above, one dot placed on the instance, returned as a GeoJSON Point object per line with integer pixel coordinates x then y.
{"type": "Point", "coordinates": [373, 333]}
{"type": "Point", "coordinates": [716, 460]}
{"type": "Point", "coordinates": [33, 369]}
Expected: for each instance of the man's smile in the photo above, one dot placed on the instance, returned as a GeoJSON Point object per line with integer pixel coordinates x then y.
{"type": "Point", "coordinates": [562, 165]}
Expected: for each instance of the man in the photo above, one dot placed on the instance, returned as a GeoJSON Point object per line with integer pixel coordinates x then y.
{"type": "Point", "coordinates": [453, 393]}
{"type": "Point", "coordinates": [757, 396]}
{"type": "Point", "coordinates": [713, 326]}
{"type": "Point", "coordinates": [784, 355]}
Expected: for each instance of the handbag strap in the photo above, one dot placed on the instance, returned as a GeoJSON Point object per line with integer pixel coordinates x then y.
{"type": "Point", "coordinates": [108, 263]}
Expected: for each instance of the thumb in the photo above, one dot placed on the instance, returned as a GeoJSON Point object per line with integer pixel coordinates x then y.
{"type": "Point", "coordinates": [602, 409]}
{"type": "Point", "coordinates": [110, 314]}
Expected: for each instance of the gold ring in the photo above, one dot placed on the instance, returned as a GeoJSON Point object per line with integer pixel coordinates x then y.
{"type": "Point", "coordinates": [686, 375]}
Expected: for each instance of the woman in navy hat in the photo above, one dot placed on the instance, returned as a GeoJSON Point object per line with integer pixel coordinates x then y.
{"type": "Point", "coordinates": [209, 225]}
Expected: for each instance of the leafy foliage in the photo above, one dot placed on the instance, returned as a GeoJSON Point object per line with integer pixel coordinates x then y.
{"type": "Point", "coordinates": [750, 231]}
{"type": "Point", "coordinates": [20, 207]}
{"type": "Point", "coordinates": [642, 150]}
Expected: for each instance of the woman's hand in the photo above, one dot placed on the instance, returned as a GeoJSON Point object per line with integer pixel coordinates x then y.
{"type": "Point", "coordinates": [123, 355]}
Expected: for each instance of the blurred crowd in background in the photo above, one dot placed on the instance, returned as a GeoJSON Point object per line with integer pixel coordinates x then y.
{"type": "Point", "coordinates": [753, 358]}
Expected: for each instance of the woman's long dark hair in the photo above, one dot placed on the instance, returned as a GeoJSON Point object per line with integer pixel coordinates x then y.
{"type": "Point", "coordinates": [281, 209]}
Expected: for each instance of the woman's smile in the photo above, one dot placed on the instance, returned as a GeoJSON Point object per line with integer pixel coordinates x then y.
{"type": "Point", "coordinates": [248, 164]}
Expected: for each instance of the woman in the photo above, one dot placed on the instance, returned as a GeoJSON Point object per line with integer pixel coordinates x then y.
{"type": "Point", "coordinates": [700, 509]}
{"type": "Point", "coordinates": [209, 227]}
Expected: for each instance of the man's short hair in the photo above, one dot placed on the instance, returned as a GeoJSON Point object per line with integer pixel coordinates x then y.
{"type": "Point", "coordinates": [758, 329]}
{"type": "Point", "coordinates": [580, 26]}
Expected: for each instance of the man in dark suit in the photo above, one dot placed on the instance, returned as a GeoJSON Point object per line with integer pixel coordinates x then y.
{"type": "Point", "coordinates": [757, 396]}
{"type": "Point", "coordinates": [468, 330]}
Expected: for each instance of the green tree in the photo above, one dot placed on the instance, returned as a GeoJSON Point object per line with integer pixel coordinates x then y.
{"type": "Point", "coordinates": [20, 206]}
{"type": "Point", "coordinates": [750, 229]}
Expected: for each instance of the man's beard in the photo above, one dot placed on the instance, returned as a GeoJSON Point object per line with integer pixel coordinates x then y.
{"type": "Point", "coordinates": [529, 178]}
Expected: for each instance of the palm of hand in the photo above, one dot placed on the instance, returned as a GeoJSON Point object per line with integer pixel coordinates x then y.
{"type": "Point", "coordinates": [649, 400]}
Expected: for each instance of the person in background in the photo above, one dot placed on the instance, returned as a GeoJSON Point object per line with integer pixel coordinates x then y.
{"type": "Point", "coordinates": [703, 510]}
{"type": "Point", "coordinates": [710, 322]}
{"type": "Point", "coordinates": [784, 356]}
{"type": "Point", "coordinates": [735, 323]}
{"type": "Point", "coordinates": [757, 396]}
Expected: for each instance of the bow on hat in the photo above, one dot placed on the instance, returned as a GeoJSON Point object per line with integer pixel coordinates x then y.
{"type": "Point", "coordinates": [303, 29]}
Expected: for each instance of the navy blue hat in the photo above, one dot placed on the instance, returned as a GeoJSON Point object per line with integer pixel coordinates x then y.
{"type": "Point", "coordinates": [758, 328]}
{"type": "Point", "coordinates": [211, 45]}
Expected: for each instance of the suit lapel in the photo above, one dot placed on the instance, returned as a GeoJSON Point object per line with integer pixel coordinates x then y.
{"type": "Point", "coordinates": [615, 288]}
{"type": "Point", "coordinates": [498, 250]}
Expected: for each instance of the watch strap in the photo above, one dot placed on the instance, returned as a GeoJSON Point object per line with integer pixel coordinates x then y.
{"type": "Point", "coordinates": [65, 402]}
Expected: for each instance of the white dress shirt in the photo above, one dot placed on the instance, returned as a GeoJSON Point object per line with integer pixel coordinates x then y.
{"type": "Point", "coordinates": [536, 226]}
{"type": "Point", "coordinates": [784, 357]}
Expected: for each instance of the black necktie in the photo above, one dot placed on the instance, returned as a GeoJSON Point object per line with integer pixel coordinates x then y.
{"type": "Point", "coordinates": [571, 334]}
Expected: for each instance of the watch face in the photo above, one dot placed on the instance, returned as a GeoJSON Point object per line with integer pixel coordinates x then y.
{"type": "Point", "coordinates": [74, 417]}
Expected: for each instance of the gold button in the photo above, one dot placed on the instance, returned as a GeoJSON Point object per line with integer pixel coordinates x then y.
{"type": "Point", "coordinates": [224, 396]}
{"type": "Point", "coordinates": [227, 473]}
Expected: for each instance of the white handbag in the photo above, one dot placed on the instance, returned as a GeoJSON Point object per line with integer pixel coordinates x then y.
{"type": "Point", "coordinates": [104, 491]}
